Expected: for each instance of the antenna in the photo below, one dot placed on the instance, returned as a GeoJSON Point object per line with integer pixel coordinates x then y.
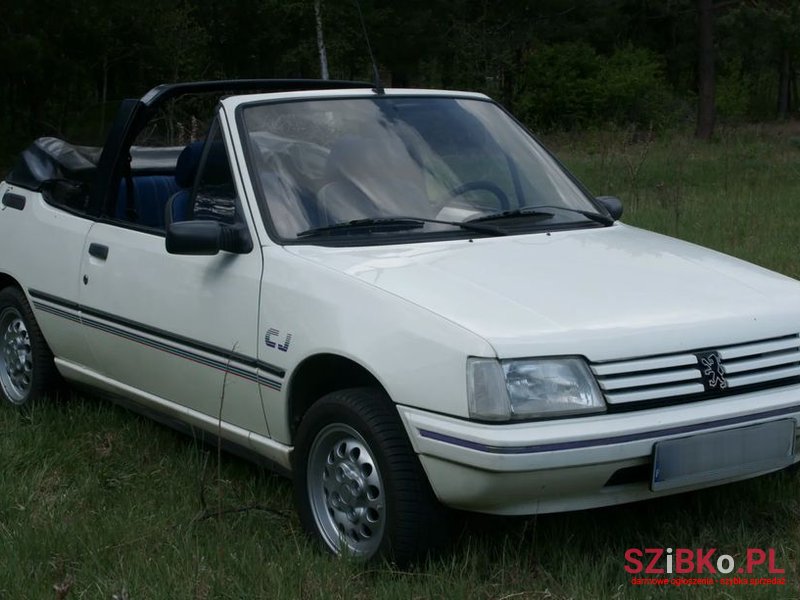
{"type": "Point", "coordinates": [376, 77]}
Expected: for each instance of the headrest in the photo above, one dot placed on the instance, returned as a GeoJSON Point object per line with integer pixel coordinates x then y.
{"type": "Point", "coordinates": [188, 161]}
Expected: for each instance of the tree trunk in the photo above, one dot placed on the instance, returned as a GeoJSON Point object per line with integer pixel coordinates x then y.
{"type": "Point", "coordinates": [784, 82]}
{"type": "Point", "coordinates": [323, 54]}
{"type": "Point", "coordinates": [706, 108]}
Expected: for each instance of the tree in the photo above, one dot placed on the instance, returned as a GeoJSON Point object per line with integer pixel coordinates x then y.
{"type": "Point", "coordinates": [323, 55]}
{"type": "Point", "coordinates": [760, 41]}
{"type": "Point", "coordinates": [706, 106]}
{"type": "Point", "coordinates": [784, 17]}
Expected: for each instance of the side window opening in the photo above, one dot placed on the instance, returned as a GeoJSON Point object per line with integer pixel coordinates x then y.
{"type": "Point", "coordinates": [151, 177]}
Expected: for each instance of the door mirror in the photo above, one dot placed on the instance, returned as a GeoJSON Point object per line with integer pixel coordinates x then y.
{"type": "Point", "coordinates": [612, 204]}
{"type": "Point", "coordinates": [206, 238]}
{"type": "Point", "coordinates": [194, 237]}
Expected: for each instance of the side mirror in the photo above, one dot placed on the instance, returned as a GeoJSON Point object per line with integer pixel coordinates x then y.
{"type": "Point", "coordinates": [612, 204]}
{"type": "Point", "coordinates": [202, 238]}
{"type": "Point", "coordinates": [207, 238]}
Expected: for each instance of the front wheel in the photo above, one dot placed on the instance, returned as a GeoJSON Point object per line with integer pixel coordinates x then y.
{"type": "Point", "coordinates": [26, 363]}
{"type": "Point", "coordinates": [358, 484]}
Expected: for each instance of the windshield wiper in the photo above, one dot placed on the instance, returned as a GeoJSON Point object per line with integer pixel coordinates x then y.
{"type": "Point", "coordinates": [537, 212]}
{"type": "Point", "coordinates": [394, 223]}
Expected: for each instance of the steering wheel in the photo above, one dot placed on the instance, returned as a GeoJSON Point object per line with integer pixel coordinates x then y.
{"type": "Point", "coordinates": [482, 185]}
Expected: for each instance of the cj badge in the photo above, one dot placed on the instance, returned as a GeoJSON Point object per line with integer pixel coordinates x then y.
{"type": "Point", "coordinates": [273, 335]}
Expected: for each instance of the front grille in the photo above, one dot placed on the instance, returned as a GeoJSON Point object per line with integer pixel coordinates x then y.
{"type": "Point", "coordinates": [673, 376]}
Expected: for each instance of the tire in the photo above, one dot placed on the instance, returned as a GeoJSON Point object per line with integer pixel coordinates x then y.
{"type": "Point", "coordinates": [359, 487]}
{"type": "Point", "coordinates": [27, 370]}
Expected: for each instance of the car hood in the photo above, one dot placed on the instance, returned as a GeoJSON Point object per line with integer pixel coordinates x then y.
{"type": "Point", "coordinates": [607, 293]}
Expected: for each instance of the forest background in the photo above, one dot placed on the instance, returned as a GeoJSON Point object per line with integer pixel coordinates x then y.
{"type": "Point", "coordinates": [559, 65]}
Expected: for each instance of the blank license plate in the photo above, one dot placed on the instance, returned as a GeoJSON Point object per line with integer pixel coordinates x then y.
{"type": "Point", "coordinates": [721, 455]}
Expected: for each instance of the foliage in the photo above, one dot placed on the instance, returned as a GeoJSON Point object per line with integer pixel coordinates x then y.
{"type": "Point", "coordinates": [67, 63]}
{"type": "Point", "coordinates": [760, 40]}
{"type": "Point", "coordinates": [736, 90]}
{"type": "Point", "coordinates": [571, 85]}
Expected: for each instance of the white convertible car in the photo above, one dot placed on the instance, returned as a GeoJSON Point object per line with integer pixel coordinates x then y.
{"type": "Point", "coordinates": [409, 303]}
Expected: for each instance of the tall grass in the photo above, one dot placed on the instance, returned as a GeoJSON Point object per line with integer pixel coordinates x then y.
{"type": "Point", "coordinates": [739, 194]}
{"type": "Point", "coordinates": [96, 502]}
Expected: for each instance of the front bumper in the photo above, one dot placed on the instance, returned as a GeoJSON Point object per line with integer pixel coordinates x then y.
{"type": "Point", "coordinates": [575, 463]}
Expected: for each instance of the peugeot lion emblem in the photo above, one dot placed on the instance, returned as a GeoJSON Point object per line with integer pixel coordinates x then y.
{"type": "Point", "coordinates": [712, 371]}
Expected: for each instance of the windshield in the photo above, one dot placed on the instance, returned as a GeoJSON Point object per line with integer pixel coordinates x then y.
{"type": "Point", "coordinates": [414, 167]}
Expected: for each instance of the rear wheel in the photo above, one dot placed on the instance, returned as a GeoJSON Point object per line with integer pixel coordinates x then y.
{"type": "Point", "coordinates": [358, 484]}
{"type": "Point", "coordinates": [26, 363]}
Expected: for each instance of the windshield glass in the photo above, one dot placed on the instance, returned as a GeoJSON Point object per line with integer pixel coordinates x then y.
{"type": "Point", "coordinates": [382, 162]}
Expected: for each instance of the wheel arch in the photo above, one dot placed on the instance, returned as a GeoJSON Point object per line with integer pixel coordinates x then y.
{"type": "Point", "coordinates": [7, 280]}
{"type": "Point", "coordinates": [33, 374]}
{"type": "Point", "coordinates": [318, 375]}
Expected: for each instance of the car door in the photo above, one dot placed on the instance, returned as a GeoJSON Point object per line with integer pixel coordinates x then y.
{"type": "Point", "coordinates": [179, 332]}
{"type": "Point", "coordinates": [43, 244]}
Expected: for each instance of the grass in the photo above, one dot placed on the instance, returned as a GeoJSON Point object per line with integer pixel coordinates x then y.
{"type": "Point", "coordinates": [96, 502]}
{"type": "Point", "coordinates": [738, 194]}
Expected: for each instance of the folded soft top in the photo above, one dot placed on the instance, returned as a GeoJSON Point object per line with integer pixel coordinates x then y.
{"type": "Point", "coordinates": [52, 158]}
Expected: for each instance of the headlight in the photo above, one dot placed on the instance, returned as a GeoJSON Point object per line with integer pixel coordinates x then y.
{"type": "Point", "coordinates": [529, 388]}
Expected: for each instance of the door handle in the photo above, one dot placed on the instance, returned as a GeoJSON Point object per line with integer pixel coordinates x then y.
{"type": "Point", "coordinates": [98, 251]}
{"type": "Point", "coordinates": [13, 201]}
